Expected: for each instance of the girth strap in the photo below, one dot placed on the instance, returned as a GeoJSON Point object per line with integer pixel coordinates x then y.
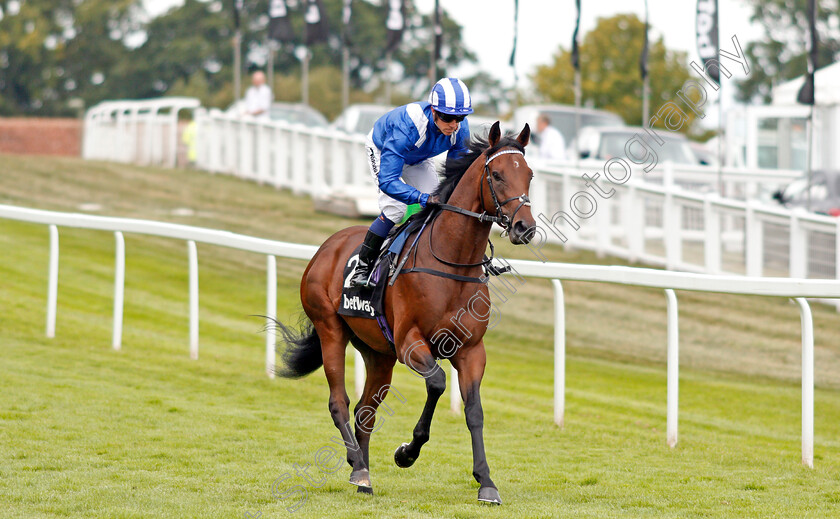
{"type": "Point", "coordinates": [456, 277]}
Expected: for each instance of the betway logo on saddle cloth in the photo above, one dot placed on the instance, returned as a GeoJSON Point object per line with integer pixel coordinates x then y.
{"type": "Point", "coordinates": [356, 304]}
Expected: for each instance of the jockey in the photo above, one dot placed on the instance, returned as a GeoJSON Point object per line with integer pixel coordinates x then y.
{"type": "Point", "coordinates": [400, 149]}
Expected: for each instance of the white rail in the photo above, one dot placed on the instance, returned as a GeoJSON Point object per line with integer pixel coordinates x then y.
{"type": "Point", "coordinates": [138, 131]}
{"type": "Point", "coordinates": [669, 281]}
{"type": "Point", "coordinates": [670, 216]}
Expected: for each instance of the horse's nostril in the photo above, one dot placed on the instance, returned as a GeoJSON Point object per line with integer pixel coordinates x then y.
{"type": "Point", "coordinates": [523, 232]}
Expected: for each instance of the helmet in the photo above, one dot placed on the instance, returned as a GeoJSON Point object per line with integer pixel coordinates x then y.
{"type": "Point", "coordinates": [451, 96]}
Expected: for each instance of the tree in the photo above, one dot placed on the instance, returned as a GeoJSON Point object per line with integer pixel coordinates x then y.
{"type": "Point", "coordinates": [781, 54]}
{"type": "Point", "coordinates": [610, 79]}
{"type": "Point", "coordinates": [54, 50]}
{"type": "Point", "coordinates": [188, 45]}
{"type": "Point", "coordinates": [368, 37]}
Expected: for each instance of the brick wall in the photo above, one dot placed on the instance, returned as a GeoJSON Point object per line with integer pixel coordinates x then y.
{"type": "Point", "coordinates": [40, 136]}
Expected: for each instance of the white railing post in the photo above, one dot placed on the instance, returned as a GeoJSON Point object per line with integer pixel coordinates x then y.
{"type": "Point", "coordinates": [301, 147]}
{"type": "Point", "coordinates": [711, 229]}
{"type": "Point", "coordinates": [673, 368]}
{"type": "Point", "coordinates": [271, 314]}
{"type": "Point", "coordinates": [359, 370]}
{"type": "Point", "coordinates": [566, 182]}
{"type": "Point", "coordinates": [193, 259]}
{"type": "Point", "coordinates": [315, 178]}
{"type": "Point", "coordinates": [52, 283]}
{"type": "Point", "coordinates": [807, 382]}
{"type": "Point", "coordinates": [119, 290]}
{"type": "Point", "coordinates": [837, 257]}
{"type": "Point", "coordinates": [454, 391]}
{"type": "Point", "coordinates": [264, 151]}
{"type": "Point", "coordinates": [603, 238]}
{"type": "Point", "coordinates": [559, 354]}
{"type": "Point", "coordinates": [173, 138]}
{"type": "Point", "coordinates": [753, 255]}
{"type": "Point", "coordinates": [798, 263]}
{"type": "Point", "coordinates": [671, 221]}
{"type": "Point", "coordinates": [630, 209]}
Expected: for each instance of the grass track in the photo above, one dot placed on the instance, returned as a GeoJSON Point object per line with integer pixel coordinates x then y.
{"type": "Point", "coordinates": [145, 432]}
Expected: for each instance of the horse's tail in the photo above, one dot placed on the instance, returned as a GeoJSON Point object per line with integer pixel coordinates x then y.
{"type": "Point", "coordinates": [302, 354]}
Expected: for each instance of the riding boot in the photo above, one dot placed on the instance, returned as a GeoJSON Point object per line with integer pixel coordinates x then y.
{"type": "Point", "coordinates": [367, 256]}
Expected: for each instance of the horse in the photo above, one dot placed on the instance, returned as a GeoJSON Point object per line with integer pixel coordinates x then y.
{"type": "Point", "coordinates": [426, 309]}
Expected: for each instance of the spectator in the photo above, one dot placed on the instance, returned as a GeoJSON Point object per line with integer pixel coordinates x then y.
{"type": "Point", "coordinates": [552, 144]}
{"type": "Point", "coordinates": [258, 97]}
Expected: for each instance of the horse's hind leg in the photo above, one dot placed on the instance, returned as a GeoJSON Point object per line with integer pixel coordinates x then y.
{"type": "Point", "coordinates": [420, 359]}
{"type": "Point", "coordinates": [334, 335]}
{"type": "Point", "coordinates": [379, 368]}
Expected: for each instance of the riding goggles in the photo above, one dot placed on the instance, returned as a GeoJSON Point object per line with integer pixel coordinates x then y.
{"type": "Point", "coordinates": [448, 118]}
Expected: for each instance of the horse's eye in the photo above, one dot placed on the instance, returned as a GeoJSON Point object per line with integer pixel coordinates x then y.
{"type": "Point", "coordinates": [497, 177]}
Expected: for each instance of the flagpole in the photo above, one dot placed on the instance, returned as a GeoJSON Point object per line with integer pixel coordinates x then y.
{"type": "Point", "coordinates": [810, 97]}
{"type": "Point", "coordinates": [388, 58]}
{"type": "Point", "coordinates": [810, 151]}
{"type": "Point", "coordinates": [720, 139]}
{"type": "Point", "coordinates": [345, 87]}
{"type": "Point", "coordinates": [304, 80]}
{"type": "Point", "coordinates": [513, 53]}
{"type": "Point", "coordinates": [305, 76]}
{"type": "Point", "coordinates": [645, 78]}
{"type": "Point", "coordinates": [578, 95]}
{"type": "Point", "coordinates": [438, 30]}
{"type": "Point", "coordinates": [237, 64]}
{"type": "Point", "coordinates": [346, 13]}
{"type": "Point", "coordinates": [270, 65]}
{"type": "Point", "coordinates": [578, 88]}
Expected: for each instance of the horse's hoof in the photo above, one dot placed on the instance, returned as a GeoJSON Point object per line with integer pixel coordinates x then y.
{"type": "Point", "coordinates": [402, 459]}
{"type": "Point", "coordinates": [364, 490]}
{"type": "Point", "coordinates": [361, 478]}
{"type": "Point", "coordinates": [489, 495]}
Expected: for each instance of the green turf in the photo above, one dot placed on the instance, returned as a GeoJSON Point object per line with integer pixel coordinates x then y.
{"type": "Point", "coordinates": [145, 432]}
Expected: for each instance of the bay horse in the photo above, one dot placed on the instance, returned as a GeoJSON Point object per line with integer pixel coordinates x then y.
{"type": "Point", "coordinates": [489, 184]}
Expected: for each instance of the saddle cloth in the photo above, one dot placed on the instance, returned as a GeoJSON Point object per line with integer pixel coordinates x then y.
{"type": "Point", "coordinates": [370, 303]}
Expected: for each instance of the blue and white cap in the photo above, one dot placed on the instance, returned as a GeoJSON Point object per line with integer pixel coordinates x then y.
{"type": "Point", "coordinates": [451, 96]}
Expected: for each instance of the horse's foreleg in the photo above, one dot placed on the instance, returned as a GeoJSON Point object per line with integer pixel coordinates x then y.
{"type": "Point", "coordinates": [470, 365]}
{"type": "Point", "coordinates": [379, 368]}
{"type": "Point", "coordinates": [420, 359]}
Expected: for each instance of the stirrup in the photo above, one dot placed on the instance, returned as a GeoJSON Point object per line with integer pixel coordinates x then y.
{"type": "Point", "coordinates": [493, 270]}
{"type": "Point", "coordinates": [362, 282]}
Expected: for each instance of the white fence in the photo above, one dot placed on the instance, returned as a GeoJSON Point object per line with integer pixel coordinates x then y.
{"type": "Point", "coordinates": [669, 217]}
{"type": "Point", "coordinates": [139, 131]}
{"type": "Point", "coordinates": [669, 281]}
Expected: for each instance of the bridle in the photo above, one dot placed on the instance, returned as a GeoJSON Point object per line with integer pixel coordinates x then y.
{"type": "Point", "coordinates": [500, 218]}
{"type": "Point", "coordinates": [504, 220]}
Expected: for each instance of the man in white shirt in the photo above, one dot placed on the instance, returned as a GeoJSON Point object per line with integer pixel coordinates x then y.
{"type": "Point", "coordinates": [552, 144]}
{"type": "Point", "coordinates": [258, 97]}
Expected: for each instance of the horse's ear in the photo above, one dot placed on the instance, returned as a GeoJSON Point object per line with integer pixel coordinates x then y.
{"type": "Point", "coordinates": [524, 136]}
{"type": "Point", "coordinates": [495, 134]}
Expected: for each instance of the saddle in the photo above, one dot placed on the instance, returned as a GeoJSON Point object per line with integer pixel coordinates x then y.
{"type": "Point", "coordinates": [369, 303]}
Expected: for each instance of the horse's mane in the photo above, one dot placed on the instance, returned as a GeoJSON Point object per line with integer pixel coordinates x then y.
{"type": "Point", "coordinates": [455, 169]}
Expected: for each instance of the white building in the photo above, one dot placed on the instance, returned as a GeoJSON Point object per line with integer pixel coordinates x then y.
{"type": "Point", "coordinates": [775, 136]}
